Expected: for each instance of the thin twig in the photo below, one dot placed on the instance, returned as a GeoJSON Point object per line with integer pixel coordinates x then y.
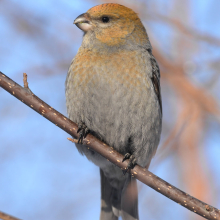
{"type": "Point", "coordinates": [73, 140]}
{"type": "Point", "coordinates": [25, 81]}
{"type": "Point", "coordinates": [109, 153]}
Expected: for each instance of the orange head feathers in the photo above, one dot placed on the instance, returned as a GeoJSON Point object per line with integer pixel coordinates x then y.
{"type": "Point", "coordinates": [112, 25]}
{"type": "Point", "coordinates": [112, 9]}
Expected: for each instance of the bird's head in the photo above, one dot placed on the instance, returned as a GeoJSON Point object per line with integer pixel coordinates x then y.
{"type": "Point", "coordinates": [112, 25]}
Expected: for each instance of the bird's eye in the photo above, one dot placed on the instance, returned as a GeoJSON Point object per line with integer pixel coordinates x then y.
{"type": "Point", "coordinates": [105, 19]}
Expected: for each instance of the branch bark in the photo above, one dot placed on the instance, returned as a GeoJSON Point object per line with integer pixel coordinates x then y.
{"type": "Point", "coordinates": [27, 97]}
{"type": "Point", "coordinates": [5, 216]}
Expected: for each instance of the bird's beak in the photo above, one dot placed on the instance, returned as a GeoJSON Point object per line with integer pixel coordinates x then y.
{"type": "Point", "coordinates": [83, 22]}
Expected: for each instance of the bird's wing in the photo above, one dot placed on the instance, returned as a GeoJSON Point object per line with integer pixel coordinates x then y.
{"type": "Point", "coordinates": [156, 80]}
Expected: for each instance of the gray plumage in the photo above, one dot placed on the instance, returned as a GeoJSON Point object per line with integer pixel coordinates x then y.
{"type": "Point", "coordinates": [115, 92]}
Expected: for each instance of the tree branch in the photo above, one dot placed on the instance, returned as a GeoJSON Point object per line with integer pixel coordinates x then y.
{"type": "Point", "coordinates": [5, 216]}
{"type": "Point", "coordinates": [27, 97]}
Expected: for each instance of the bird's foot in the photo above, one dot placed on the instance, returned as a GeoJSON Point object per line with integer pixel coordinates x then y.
{"type": "Point", "coordinates": [82, 131]}
{"type": "Point", "coordinates": [131, 164]}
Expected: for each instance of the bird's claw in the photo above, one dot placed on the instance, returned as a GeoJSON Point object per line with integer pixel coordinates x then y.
{"type": "Point", "coordinates": [131, 164]}
{"type": "Point", "coordinates": [82, 131]}
{"type": "Point", "coordinates": [126, 156]}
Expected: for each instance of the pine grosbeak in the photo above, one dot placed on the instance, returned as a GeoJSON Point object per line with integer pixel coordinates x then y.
{"type": "Point", "coordinates": [113, 89]}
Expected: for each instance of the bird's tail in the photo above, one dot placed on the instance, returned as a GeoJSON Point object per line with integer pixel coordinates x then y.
{"type": "Point", "coordinates": [119, 202]}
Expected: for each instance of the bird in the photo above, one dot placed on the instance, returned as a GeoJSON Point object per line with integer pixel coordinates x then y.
{"type": "Point", "coordinates": [113, 91]}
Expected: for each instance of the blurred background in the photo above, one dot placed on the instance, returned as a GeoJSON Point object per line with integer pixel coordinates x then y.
{"type": "Point", "coordinates": [42, 176]}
